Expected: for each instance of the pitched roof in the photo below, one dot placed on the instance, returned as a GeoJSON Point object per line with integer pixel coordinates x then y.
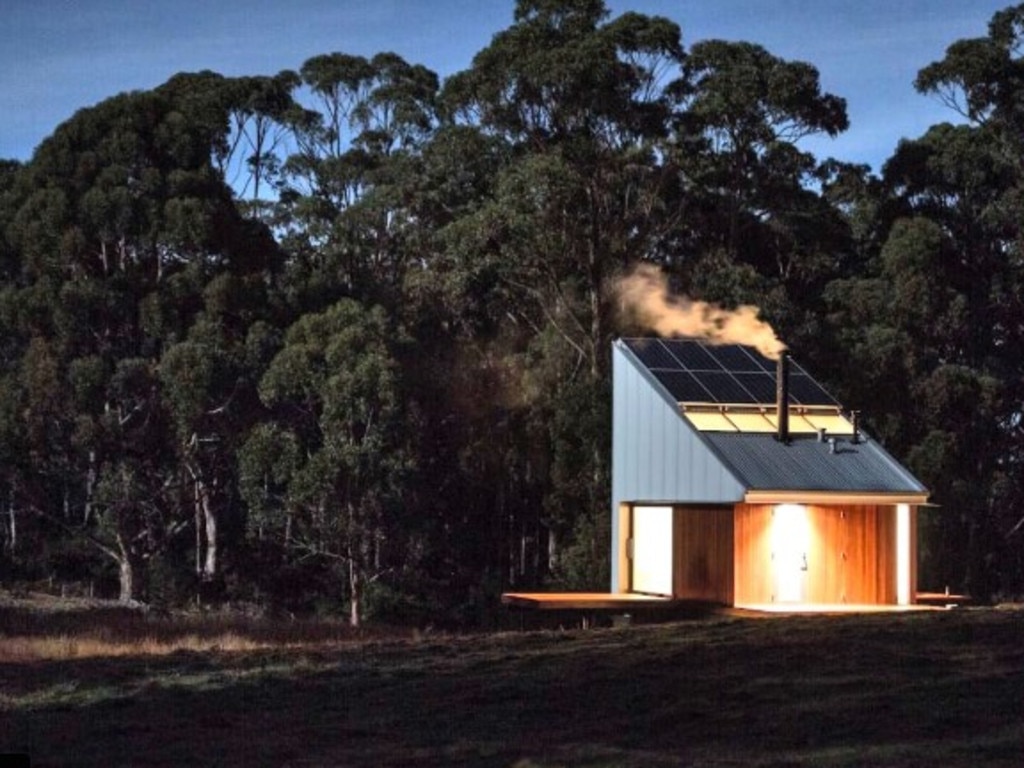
{"type": "Point", "coordinates": [726, 394]}
{"type": "Point", "coordinates": [761, 462]}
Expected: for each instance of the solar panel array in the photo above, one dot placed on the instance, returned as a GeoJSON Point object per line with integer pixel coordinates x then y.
{"type": "Point", "coordinates": [695, 372]}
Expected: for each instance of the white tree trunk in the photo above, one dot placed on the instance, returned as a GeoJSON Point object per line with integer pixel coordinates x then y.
{"type": "Point", "coordinates": [355, 603]}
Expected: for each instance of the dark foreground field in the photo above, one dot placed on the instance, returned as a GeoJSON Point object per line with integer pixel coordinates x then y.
{"type": "Point", "coordinates": [935, 689]}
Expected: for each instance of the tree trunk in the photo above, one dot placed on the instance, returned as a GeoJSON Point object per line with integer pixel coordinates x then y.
{"type": "Point", "coordinates": [11, 525]}
{"type": "Point", "coordinates": [90, 488]}
{"type": "Point", "coordinates": [127, 579]}
{"type": "Point", "coordinates": [128, 563]}
{"type": "Point", "coordinates": [198, 517]}
{"type": "Point", "coordinates": [355, 602]}
{"type": "Point", "coordinates": [206, 530]}
{"type": "Point", "coordinates": [553, 550]}
{"type": "Point", "coordinates": [210, 564]}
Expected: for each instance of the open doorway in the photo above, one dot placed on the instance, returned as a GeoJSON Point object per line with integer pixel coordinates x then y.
{"type": "Point", "coordinates": [652, 550]}
{"type": "Point", "coordinates": [790, 544]}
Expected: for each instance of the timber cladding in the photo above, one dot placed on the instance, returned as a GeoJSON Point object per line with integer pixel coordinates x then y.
{"type": "Point", "coordinates": [703, 553]}
{"type": "Point", "coordinates": [850, 554]}
{"type": "Point", "coordinates": [753, 558]}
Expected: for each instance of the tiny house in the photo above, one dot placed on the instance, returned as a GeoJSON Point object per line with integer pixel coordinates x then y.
{"type": "Point", "coordinates": [739, 480]}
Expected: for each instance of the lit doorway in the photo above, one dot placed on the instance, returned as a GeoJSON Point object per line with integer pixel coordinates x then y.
{"type": "Point", "coordinates": [790, 544]}
{"type": "Point", "coordinates": [652, 550]}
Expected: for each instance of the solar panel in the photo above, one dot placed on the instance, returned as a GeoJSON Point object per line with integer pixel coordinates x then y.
{"type": "Point", "coordinates": [806, 391]}
{"type": "Point", "coordinates": [653, 354]}
{"type": "Point", "coordinates": [695, 372]}
{"type": "Point", "coordinates": [683, 386]}
{"type": "Point", "coordinates": [736, 359]}
{"type": "Point", "coordinates": [692, 356]}
{"type": "Point", "coordinates": [760, 385]}
{"type": "Point", "coordinates": [724, 387]}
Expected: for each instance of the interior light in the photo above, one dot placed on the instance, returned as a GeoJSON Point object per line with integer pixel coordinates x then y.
{"type": "Point", "coordinates": [903, 554]}
{"type": "Point", "coordinates": [790, 545]}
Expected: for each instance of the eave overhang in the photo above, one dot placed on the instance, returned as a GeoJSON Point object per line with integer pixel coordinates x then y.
{"type": "Point", "coordinates": [833, 497]}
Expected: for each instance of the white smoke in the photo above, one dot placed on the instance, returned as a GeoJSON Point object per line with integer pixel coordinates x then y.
{"type": "Point", "coordinates": [643, 295]}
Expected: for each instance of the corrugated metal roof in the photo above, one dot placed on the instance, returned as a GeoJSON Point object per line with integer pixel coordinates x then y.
{"type": "Point", "coordinates": [761, 462]}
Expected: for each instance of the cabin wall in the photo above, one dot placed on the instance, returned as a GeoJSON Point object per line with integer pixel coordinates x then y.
{"type": "Point", "coordinates": [658, 458]}
{"type": "Point", "coordinates": [703, 553]}
{"type": "Point", "coordinates": [913, 554]}
{"type": "Point", "coordinates": [850, 554]}
{"type": "Point", "coordinates": [622, 562]}
{"type": "Point", "coordinates": [753, 554]}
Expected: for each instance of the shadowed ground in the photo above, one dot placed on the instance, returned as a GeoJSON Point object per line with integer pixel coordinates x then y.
{"type": "Point", "coordinates": [929, 689]}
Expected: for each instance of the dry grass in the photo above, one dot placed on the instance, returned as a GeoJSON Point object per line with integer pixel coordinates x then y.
{"type": "Point", "coordinates": [40, 627]}
{"type": "Point", "coordinates": [68, 647]}
{"type": "Point", "coordinates": [910, 691]}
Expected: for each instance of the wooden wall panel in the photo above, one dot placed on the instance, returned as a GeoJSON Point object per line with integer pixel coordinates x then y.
{"type": "Point", "coordinates": [624, 572]}
{"type": "Point", "coordinates": [913, 555]}
{"type": "Point", "coordinates": [703, 553]}
{"type": "Point", "coordinates": [825, 558]}
{"type": "Point", "coordinates": [859, 554]}
{"type": "Point", "coordinates": [869, 546]}
{"type": "Point", "coordinates": [885, 554]}
{"type": "Point", "coordinates": [753, 553]}
{"type": "Point", "coordinates": [851, 554]}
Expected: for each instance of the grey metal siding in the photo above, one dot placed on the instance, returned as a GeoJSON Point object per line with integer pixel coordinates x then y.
{"type": "Point", "coordinates": [656, 455]}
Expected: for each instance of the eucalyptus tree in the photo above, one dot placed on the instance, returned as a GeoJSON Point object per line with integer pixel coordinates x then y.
{"type": "Point", "coordinates": [209, 381]}
{"type": "Point", "coordinates": [757, 229]}
{"type": "Point", "coordinates": [979, 206]}
{"type": "Point", "coordinates": [581, 104]}
{"type": "Point", "coordinates": [343, 211]}
{"type": "Point", "coordinates": [249, 120]}
{"type": "Point", "coordinates": [981, 78]}
{"type": "Point", "coordinates": [329, 473]}
{"type": "Point", "coordinates": [123, 222]}
{"type": "Point", "coordinates": [937, 323]}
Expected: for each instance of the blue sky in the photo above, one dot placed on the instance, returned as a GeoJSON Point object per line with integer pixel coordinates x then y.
{"type": "Point", "coordinates": [57, 56]}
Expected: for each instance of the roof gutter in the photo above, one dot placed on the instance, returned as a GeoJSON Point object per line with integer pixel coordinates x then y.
{"type": "Point", "coordinates": [833, 497]}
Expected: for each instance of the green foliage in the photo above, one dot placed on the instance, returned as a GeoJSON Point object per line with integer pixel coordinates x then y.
{"type": "Point", "coordinates": [338, 338]}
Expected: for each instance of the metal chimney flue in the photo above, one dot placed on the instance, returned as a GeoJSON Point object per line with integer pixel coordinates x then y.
{"type": "Point", "coordinates": [782, 397]}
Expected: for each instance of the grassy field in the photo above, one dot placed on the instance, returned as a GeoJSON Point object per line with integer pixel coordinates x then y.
{"type": "Point", "coordinates": [93, 686]}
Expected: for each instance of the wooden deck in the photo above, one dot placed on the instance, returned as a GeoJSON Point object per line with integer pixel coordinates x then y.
{"type": "Point", "coordinates": [943, 599]}
{"type": "Point", "coordinates": [583, 601]}
{"type": "Point", "coordinates": [629, 601]}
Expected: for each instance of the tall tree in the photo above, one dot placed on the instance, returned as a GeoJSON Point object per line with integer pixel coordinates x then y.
{"type": "Point", "coordinates": [756, 228]}
{"type": "Point", "coordinates": [124, 222]}
{"type": "Point", "coordinates": [935, 325]}
{"type": "Point", "coordinates": [336, 389]}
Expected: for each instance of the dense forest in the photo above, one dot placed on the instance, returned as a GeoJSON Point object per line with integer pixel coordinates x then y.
{"type": "Point", "coordinates": [337, 339]}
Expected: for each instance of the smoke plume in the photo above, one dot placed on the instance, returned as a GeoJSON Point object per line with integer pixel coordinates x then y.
{"type": "Point", "coordinates": [643, 296]}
